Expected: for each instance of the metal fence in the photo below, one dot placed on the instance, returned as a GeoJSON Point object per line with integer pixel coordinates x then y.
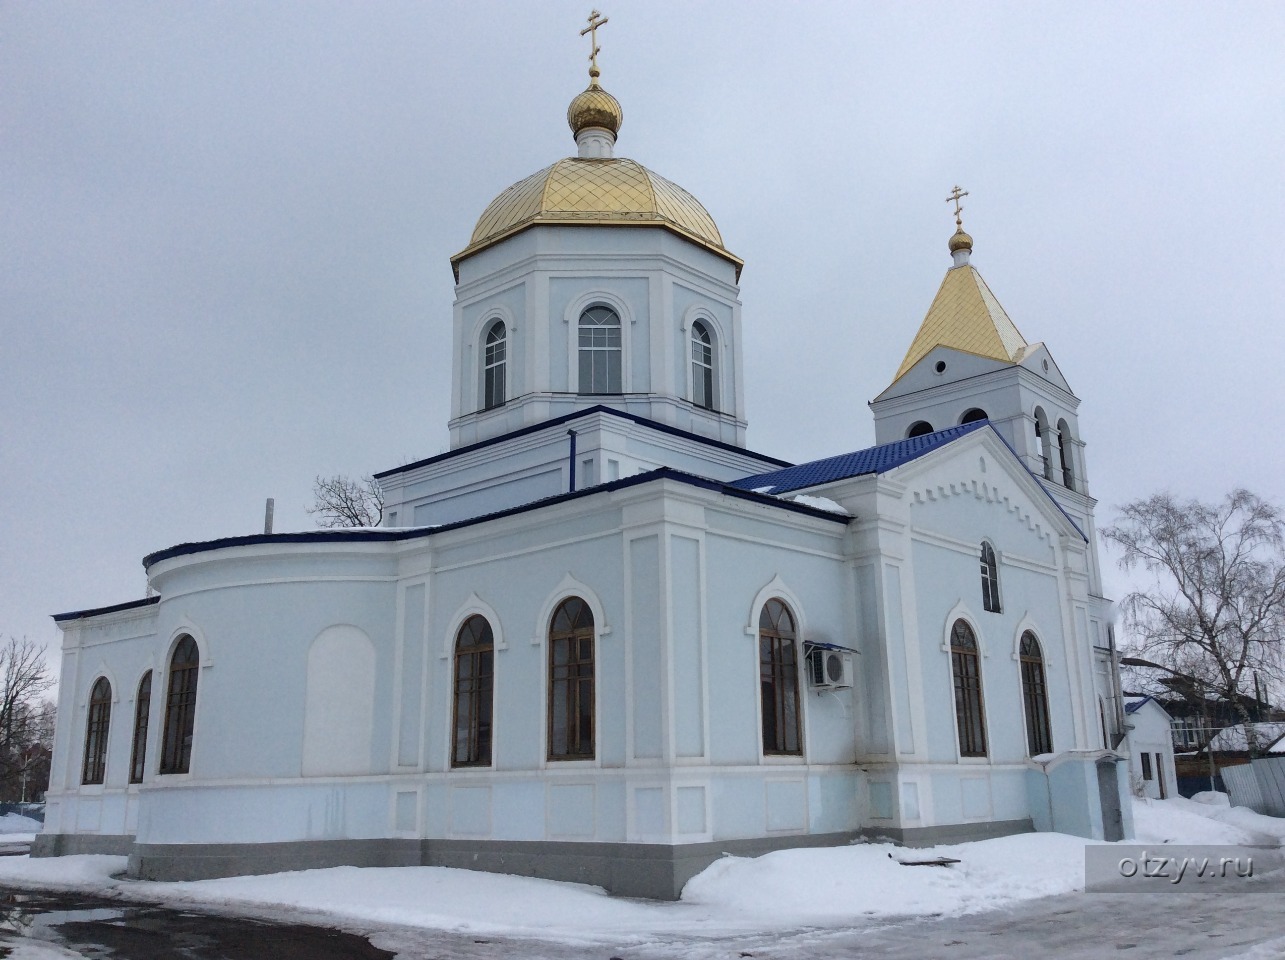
{"type": "Point", "coordinates": [1258, 785]}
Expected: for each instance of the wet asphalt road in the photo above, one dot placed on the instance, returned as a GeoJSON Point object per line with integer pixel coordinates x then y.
{"type": "Point", "coordinates": [99, 928]}
{"type": "Point", "coordinates": [1209, 925]}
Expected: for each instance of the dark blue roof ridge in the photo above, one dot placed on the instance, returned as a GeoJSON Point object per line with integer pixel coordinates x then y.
{"type": "Point", "coordinates": [1135, 705]}
{"type": "Point", "coordinates": [382, 534]}
{"type": "Point", "coordinates": [100, 611]}
{"type": "Point", "coordinates": [568, 417]}
{"type": "Point", "coordinates": [876, 459]}
{"type": "Point", "coordinates": [879, 459]}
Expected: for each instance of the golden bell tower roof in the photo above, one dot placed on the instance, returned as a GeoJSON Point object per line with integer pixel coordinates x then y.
{"type": "Point", "coordinates": [964, 315]}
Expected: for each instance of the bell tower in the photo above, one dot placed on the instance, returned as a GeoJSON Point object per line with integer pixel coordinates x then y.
{"type": "Point", "coordinates": [968, 361]}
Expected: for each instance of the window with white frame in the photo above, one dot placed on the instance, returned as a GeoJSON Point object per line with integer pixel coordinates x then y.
{"type": "Point", "coordinates": [702, 367]}
{"type": "Point", "coordinates": [600, 351]}
{"type": "Point", "coordinates": [494, 365]}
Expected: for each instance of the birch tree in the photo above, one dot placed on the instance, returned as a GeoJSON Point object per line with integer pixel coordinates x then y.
{"type": "Point", "coordinates": [1214, 612]}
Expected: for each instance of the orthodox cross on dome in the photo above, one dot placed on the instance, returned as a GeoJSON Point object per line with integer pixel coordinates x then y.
{"type": "Point", "coordinates": [956, 195]}
{"type": "Point", "coordinates": [596, 20]}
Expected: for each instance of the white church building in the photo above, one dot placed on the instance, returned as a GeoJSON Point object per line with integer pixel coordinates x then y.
{"type": "Point", "coordinates": [602, 640]}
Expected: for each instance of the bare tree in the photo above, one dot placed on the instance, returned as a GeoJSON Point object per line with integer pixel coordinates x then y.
{"type": "Point", "coordinates": [26, 718]}
{"type": "Point", "coordinates": [340, 501]}
{"type": "Point", "coordinates": [1214, 614]}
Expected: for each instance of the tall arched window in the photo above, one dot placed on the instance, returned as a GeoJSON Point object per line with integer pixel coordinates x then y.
{"type": "Point", "coordinates": [990, 579]}
{"type": "Point", "coordinates": [600, 351]}
{"type": "Point", "coordinates": [779, 680]}
{"type": "Point", "coordinates": [965, 668]}
{"type": "Point", "coordinates": [1035, 701]}
{"type": "Point", "coordinates": [474, 684]}
{"type": "Point", "coordinates": [493, 367]}
{"type": "Point", "coordinates": [571, 681]}
{"type": "Point", "coordinates": [919, 428]}
{"type": "Point", "coordinates": [1064, 447]}
{"type": "Point", "coordinates": [1044, 439]}
{"type": "Point", "coordinates": [702, 367]}
{"type": "Point", "coordinates": [96, 728]}
{"type": "Point", "coordinates": [973, 415]}
{"type": "Point", "coordinates": [180, 708]}
{"type": "Point", "coordinates": [142, 710]}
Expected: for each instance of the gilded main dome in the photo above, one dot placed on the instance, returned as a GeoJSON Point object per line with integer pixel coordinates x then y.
{"type": "Point", "coordinates": [596, 191]}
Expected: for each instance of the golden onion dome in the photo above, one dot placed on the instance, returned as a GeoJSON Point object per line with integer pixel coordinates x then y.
{"type": "Point", "coordinates": [960, 241]}
{"type": "Point", "coordinates": [610, 191]}
{"type": "Point", "coordinates": [595, 107]}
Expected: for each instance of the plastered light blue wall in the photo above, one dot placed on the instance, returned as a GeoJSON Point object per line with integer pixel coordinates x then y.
{"type": "Point", "coordinates": [673, 574]}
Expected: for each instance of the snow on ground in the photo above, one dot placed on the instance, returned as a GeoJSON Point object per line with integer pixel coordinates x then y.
{"type": "Point", "coordinates": [777, 892]}
{"type": "Point", "coordinates": [36, 950]}
{"type": "Point", "coordinates": [1207, 821]}
{"type": "Point", "coordinates": [14, 823]}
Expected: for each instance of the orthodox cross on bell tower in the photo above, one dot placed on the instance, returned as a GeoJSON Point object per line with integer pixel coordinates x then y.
{"type": "Point", "coordinates": [956, 195]}
{"type": "Point", "coordinates": [596, 20]}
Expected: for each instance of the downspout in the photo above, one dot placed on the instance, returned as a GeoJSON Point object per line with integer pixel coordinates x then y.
{"type": "Point", "coordinates": [571, 463]}
{"type": "Point", "coordinates": [1119, 691]}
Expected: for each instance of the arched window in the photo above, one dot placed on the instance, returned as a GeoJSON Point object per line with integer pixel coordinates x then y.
{"type": "Point", "coordinates": [966, 670]}
{"type": "Point", "coordinates": [180, 708]}
{"type": "Point", "coordinates": [1064, 447]}
{"type": "Point", "coordinates": [779, 680]}
{"type": "Point", "coordinates": [96, 728]}
{"type": "Point", "coordinates": [702, 367]}
{"type": "Point", "coordinates": [919, 428]}
{"type": "Point", "coordinates": [1044, 439]}
{"type": "Point", "coordinates": [1035, 700]}
{"type": "Point", "coordinates": [600, 351]}
{"type": "Point", "coordinates": [474, 683]}
{"type": "Point", "coordinates": [571, 681]}
{"type": "Point", "coordinates": [990, 579]}
{"type": "Point", "coordinates": [142, 710]}
{"type": "Point", "coordinates": [493, 367]}
{"type": "Point", "coordinates": [973, 415]}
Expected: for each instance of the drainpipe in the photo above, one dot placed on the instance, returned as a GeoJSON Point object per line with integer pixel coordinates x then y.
{"type": "Point", "coordinates": [1119, 691]}
{"type": "Point", "coordinates": [572, 461]}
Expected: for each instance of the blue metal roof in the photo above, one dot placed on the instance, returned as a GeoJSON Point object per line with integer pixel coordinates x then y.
{"type": "Point", "coordinates": [871, 460]}
{"type": "Point", "coordinates": [1133, 706]}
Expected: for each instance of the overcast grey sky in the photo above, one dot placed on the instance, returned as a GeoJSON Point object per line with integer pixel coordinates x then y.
{"type": "Point", "coordinates": [226, 231]}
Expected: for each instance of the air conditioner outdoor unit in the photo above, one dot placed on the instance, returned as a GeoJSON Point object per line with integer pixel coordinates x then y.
{"type": "Point", "coordinates": [829, 669]}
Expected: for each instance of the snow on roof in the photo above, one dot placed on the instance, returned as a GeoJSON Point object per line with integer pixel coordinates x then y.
{"type": "Point", "coordinates": [821, 503]}
{"type": "Point", "coordinates": [1233, 738]}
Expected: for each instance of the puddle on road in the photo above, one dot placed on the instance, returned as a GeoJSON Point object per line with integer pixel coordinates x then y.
{"type": "Point", "coordinates": [96, 928]}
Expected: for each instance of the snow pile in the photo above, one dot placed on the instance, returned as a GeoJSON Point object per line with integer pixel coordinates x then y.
{"type": "Point", "coordinates": [84, 872]}
{"type": "Point", "coordinates": [1212, 798]}
{"type": "Point", "coordinates": [1188, 821]}
{"type": "Point", "coordinates": [441, 898]}
{"type": "Point", "coordinates": [840, 885]}
{"type": "Point", "coordinates": [17, 823]}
